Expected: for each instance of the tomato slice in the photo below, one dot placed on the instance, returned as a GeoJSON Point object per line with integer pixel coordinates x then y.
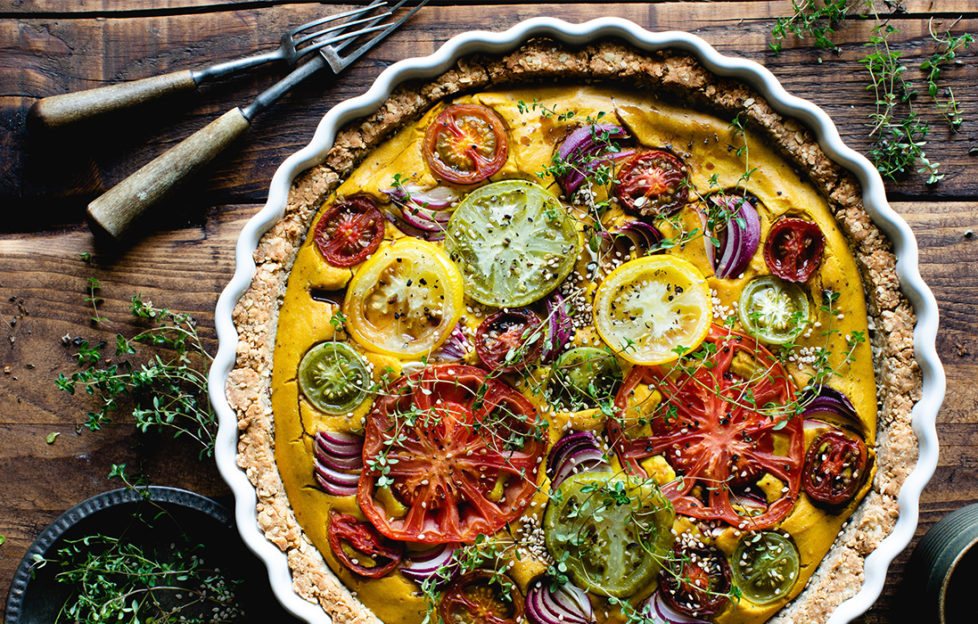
{"type": "Point", "coordinates": [333, 377]}
{"type": "Point", "coordinates": [652, 184]}
{"type": "Point", "coordinates": [766, 566]}
{"type": "Point", "coordinates": [793, 249]}
{"type": "Point", "coordinates": [719, 428]}
{"type": "Point", "coordinates": [611, 531]}
{"type": "Point", "coordinates": [482, 597]}
{"type": "Point", "coordinates": [509, 340]}
{"type": "Point", "coordinates": [587, 376]}
{"type": "Point", "coordinates": [349, 231]}
{"type": "Point", "coordinates": [466, 144]}
{"type": "Point", "coordinates": [648, 308]}
{"type": "Point", "coordinates": [405, 300]}
{"type": "Point", "coordinates": [514, 242]}
{"type": "Point", "coordinates": [835, 467]}
{"type": "Point", "coordinates": [348, 535]}
{"type": "Point", "coordinates": [697, 582]}
{"type": "Point", "coordinates": [773, 310]}
{"type": "Point", "coordinates": [460, 451]}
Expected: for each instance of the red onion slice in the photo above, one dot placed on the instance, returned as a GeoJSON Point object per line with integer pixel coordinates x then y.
{"type": "Point", "coordinates": [434, 198]}
{"type": "Point", "coordinates": [661, 613]}
{"type": "Point", "coordinates": [643, 236]}
{"type": "Point", "coordinates": [738, 240]}
{"type": "Point", "coordinates": [455, 348]}
{"type": "Point", "coordinates": [437, 564]}
{"type": "Point", "coordinates": [560, 328]}
{"type": "Point", "coordinates": [338, 462]}
{"type": "Point", "coordinates": [577, 452]}
{"type": "Point", "coordinates": [585, 153]}
{"type": "Point", "coordinates": [830, 402]}
{"type": "Point", "coordinates": [567, 604]}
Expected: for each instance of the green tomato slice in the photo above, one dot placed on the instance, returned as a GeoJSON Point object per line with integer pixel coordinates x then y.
{"type": "Point", "coordinates": [333, 377]}
{"type": "Point", "coordinates": [773, 310]}
{"type": "Point", "coordinates": [611, 531]}
{"type": "Point", "coordinates": [765, 566]}
{"type": "Point", "coordinates": [586, 375]}
{"type": "Point", "coordinates": [514, 242]}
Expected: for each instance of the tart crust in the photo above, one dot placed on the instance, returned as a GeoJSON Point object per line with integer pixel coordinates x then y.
{"type": "Point", "coordinates": [680, 77]}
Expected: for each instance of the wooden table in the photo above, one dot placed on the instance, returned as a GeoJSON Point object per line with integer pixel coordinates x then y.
{"type": "Point", "coordinates": [54, 46]}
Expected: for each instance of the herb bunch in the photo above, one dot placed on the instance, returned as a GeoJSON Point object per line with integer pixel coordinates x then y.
{"type": "Point", "coordinates": [167, 392]}
{"type": "Point", "coordinates": [899, 133]}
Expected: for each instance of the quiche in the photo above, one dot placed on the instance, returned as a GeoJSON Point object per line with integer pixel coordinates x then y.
{"type": "Point", "coordinates": [575, 335]}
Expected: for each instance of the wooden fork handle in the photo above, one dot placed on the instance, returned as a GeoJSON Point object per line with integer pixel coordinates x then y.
{"type": "Point", "coordinates": [60, 110]}
{"type": "Point", "coordinates": [117, 209]}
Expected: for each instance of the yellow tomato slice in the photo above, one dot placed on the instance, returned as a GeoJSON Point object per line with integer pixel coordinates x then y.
{"type": "Point", "coordinates": [647, 308]}
{"type": "Point", "coordinates": [405, 300]}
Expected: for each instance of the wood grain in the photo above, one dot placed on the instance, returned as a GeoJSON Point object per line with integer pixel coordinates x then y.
{"type": "Point", "coordinates": [38, 166]}
{"type": "Point", "coordinates": [53, 47]}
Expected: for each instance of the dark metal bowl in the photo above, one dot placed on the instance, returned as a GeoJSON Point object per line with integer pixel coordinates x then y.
{"type": "Point", "coordinates": [35, 597]}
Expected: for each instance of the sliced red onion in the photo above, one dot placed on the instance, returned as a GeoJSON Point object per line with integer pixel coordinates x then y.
{"type": "Point", "coordinates": [434, 198]}
{"type": "Point", "coordinates": [829, 402]}
{"type": "Point", "coordinates": [560, 327]}
{"type": "Point", "coordinates": [578, 452]}
{"type": "Point", "coordinates": [811, 424]}
{"type": "Point", "coordinates": [568, 604]}
{"type": "Point", "coordinates": [437, 564]}
{"type": "Point", "coordinates": [738, 240]}
{"type": "Point", "coordinates": [642, 236]}
{"type": "Point", "coordinates": [455, 348]}
{"type": "Point", "coordinates": [399, 221]}
{"type": "Point", "coordinates": [338, 462]}
{"type": "Point", "coordinates": [584, 153]}
{"type": "Point", "coordinates": [660, 613]}
{"type": "Point", "coordinates": [749, 501]}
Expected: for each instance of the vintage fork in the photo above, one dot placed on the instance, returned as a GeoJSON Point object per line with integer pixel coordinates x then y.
{"type": "Point", "coordinates": [60, 110]}
{"type": "Point", "coordinates": [115, 211]}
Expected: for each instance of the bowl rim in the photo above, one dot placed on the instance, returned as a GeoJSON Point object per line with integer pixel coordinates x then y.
{"type": "Point", "coordinates": [91, 507]}
{"type": "Point", "coordinates": [924, 414]}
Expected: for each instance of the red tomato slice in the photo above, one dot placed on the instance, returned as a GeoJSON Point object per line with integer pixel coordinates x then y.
{"type": "Point", "coordinates": [460, 450]}
{"type": "Point", "coordinates": [479, 598]}
{"type": "Point", "coordinates": [507, 340]}
{"type": "Point", "coordinates": [466, 144]}
{"type": "Point", "coordinates": [652, 184]}
{"type": "Point", "coordinates": [835, 467]}
{"type": "Point", "coordinates": [793, 249]}
{"type": "Point", "coordinates": [345, 533]}
{"type": "Point", "coordinates": [349, 231]}
{"type": "Point", "coordinates": [715, 429]}
{"type": "Point", "coordinates": [697, 581]}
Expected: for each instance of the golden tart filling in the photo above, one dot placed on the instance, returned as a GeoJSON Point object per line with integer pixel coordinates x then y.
{"type": "Point", "coordinates": [573, 354]}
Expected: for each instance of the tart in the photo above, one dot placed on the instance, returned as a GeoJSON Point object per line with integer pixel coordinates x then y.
{"type": "Point", "coordinates": [575, 334]}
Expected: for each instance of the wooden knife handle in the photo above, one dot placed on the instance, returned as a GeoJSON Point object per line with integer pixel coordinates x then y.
{"type": "Point", "coordinates": [121, 205]}
{"type": "Point", "coordinates": [60, 110]}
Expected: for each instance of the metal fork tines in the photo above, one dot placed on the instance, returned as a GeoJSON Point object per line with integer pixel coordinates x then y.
{"type": "Point", "coordinates": [331, 52]}
{"type": "Point", "coordinates": [299, 41]}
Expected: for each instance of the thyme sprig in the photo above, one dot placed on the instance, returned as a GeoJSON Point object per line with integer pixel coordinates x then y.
{"type": "Point", "coordinates": [168, 391]}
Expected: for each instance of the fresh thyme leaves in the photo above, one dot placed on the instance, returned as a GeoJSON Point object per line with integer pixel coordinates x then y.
{"type": "Point", "coordinates": [168, 391]}
{"type": "Point", "coordinates": [117, 579]}
{"type": "Point", "coordinates": [950, 47]}
{"type": "Point", "coordinates": [898, 131]}
{"type": "Point", "coordinates": [811, 19]}
{"type": "Point", "coordinates": [899, 141]}
{"type": "Point", "coordinates": [94, 300]}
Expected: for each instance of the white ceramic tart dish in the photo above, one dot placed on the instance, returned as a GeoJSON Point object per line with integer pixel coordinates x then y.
{"type": "Point", "coordinates": [901, 312]}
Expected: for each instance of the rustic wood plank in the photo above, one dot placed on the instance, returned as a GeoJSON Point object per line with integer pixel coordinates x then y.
{"type": "Point", "coordinates": [909, 8]}
{"type": "Point", "coordinates": [42, 286]}
{"type": "Point", "coordinates": [56, 56]}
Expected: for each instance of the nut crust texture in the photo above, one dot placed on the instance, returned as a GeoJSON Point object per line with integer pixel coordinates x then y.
{"type": "Point", "coordinates": [674, 75]}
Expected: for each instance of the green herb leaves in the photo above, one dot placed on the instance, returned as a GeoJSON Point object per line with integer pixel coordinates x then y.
{"type": "Point", "coordinates": [899, 133]}
{"type": "Point", "coordinates": [167, 391]}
